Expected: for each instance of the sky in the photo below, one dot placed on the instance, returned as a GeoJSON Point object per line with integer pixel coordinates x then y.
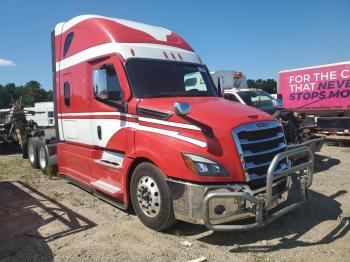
{"type": "Point", "coordinates": [256, 37]}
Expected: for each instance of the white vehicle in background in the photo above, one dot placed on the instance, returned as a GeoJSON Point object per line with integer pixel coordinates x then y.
{"type": "Point", "coordinates": [228, 79]}
{"type": "Point", "coordinates": [233, 86]}
{"type": "Point", "coordinates": [3, 114]}
{"type": "Point", "coordinates": [42, 114]}
{"type": "Point", "coordinates": [195, 81]}
{"type": "Point", "coordinates": [275, 96]}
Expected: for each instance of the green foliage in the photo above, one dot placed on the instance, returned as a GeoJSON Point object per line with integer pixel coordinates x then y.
{"type": "Point", "coordinates": [31, 93]}
{"type": "Point", "coordinates": [269, 85]}
{"type": "Point", "coordinates": [52, 171]}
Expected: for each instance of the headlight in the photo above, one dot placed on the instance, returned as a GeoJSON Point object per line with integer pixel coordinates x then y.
{"type": "Point", "coordinates": [203, 166]}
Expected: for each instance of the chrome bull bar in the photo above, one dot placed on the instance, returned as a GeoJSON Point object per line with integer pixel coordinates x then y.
{"type": "Point", "coordinates": [263, 203]}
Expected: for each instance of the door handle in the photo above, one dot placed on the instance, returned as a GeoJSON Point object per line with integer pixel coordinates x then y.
{"type": "Point", "coordinates": [99, 132]}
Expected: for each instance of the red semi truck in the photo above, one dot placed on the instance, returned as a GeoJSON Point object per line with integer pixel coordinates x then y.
{"type": "Point", "coordinates": [132, 130]}
{"type": "Point", "coordinates": [321, 94]}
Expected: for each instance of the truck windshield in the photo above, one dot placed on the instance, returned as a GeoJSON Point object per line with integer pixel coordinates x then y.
{"type": "Point", "coordinates": [154, 78]}
{"type": "Point", "coordinates": [259, 99]}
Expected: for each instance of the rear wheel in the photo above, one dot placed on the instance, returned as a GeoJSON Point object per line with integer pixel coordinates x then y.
{"type": "Point", "coordinates": [151, 198]}
{"type": "Point", "coordinates": [25, 150]}
{"type": "Point", "coordinates": [43, 158]}
{"type": "Point", "coordinates": [33, 151]}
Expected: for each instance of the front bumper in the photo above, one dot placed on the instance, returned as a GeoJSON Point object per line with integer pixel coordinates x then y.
{"type": "Point", "coordinates": [214, 205]}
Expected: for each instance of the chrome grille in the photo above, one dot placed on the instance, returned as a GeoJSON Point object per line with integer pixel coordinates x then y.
{"type": "Point", "coordinates": [257, 144]}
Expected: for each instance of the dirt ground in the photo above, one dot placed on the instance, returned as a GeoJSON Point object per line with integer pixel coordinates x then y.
{"type": "Point", "coordinates": [44, 219]}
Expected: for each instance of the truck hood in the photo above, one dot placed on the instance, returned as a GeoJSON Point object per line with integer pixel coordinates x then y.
{"type": "Point", "coordinates": [215, 112]}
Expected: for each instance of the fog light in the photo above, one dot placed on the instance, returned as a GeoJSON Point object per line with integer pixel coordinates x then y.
{"type": "Point", "coordinates": [219, 210]}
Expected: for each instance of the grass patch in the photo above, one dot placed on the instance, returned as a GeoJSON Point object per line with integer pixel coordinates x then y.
{"type": "Point", "coordinates": [52, 171]}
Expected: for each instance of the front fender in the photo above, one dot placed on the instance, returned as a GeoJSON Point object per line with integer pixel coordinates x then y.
{"type": "Point", "coordinates": [162, 151]}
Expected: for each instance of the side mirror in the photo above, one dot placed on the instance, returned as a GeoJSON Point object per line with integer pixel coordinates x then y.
{"type": "Point", "coordinates": [100, 83]}
{"type": "Point", "coordinates": [182, 108]}
{"type": "Point", "coordinates": [277, 103]}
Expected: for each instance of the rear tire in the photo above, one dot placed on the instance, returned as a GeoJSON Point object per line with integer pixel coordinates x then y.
{"type": "Point", "coordinates": [151, 198]}
{"type": "Point", "coordinates": [33, 144]}
{"type": "Point", "coordinates": [43, 157]}
{"type": "Point", "coordinates": [25, 151]}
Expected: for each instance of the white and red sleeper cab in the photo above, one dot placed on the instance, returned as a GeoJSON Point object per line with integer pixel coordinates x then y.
{"type": "Point", "coordinates": [100, 139]}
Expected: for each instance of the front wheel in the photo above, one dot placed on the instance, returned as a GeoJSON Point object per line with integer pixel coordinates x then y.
{"type": "Point", "coordinates": [151, 198]}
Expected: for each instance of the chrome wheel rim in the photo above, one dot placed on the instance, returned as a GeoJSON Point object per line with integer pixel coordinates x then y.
{"type": "Point", "coordinates": [42, 158]}
{"type": "Point", "coordinates": [148, 196]}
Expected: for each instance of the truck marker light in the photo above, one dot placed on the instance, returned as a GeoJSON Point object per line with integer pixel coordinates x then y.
{"type": "Point", "coordinates": [238, 75]}
{"type": "Point", "coordinates": [173, 56]}
{"type": "Point", "coordinates": [189, 163]}
{"type": "Point", "coordinates": [132, 52]}
{"type": "Point", "coordinates": [165, 54]}
{"type": "Point", "coordinates": [180, 56]}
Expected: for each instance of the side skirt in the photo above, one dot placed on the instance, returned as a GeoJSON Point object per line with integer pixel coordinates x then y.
{"type": "Point", "coordinates": [100, 195]}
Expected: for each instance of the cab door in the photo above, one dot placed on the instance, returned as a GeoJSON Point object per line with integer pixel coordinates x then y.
{"type": "Point", "coordinates": [108, 124]}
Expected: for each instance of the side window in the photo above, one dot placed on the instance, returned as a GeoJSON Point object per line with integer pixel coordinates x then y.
{"type": "Point", "coordinates": [231, 97]}
{"type": "Point", "coordinates": [106, 84]}
{"type": "Point", "coordinates": [66, 91]}
{"type": "Point", "coordinates": [67, 43]}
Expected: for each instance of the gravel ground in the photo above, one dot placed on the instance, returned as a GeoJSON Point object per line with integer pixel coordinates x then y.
{"type": "Point", "coordinates": [44, 219]}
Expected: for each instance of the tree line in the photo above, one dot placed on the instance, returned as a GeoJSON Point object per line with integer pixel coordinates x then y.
{"type": "Point", "coordinates": [269, 85]}
{"type": "Point", "coordinates": [30, 93]}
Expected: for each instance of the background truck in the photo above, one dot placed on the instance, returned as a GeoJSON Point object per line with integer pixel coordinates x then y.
{"type": "Point", "coordinates": [132, 129]}
{"type": "Point", "coordinates": [42, 114]}
{"type": "Point", "coordinates": [15, 127]}
{"type": "Point", "coordinates": [321, 96]}
{"type": "Point", "coordinates": [234, 87]}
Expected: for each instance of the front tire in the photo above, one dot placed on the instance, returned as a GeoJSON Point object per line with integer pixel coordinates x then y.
{"type": "Point", "coordinates": [151, 198]}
